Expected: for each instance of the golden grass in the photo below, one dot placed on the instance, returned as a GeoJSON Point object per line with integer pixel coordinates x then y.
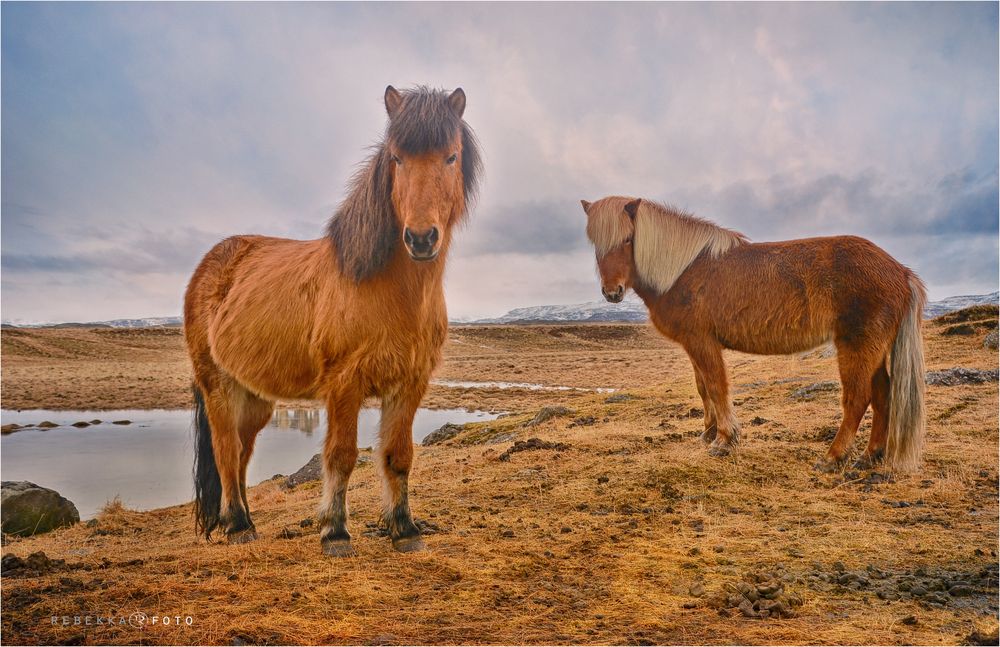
{"type": "Point", "coordinates": [637, 498]}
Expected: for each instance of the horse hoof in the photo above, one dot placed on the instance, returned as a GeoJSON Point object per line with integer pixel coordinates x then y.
{"type": "Point", "coordinates": [338, 548]}
{"type": "Point", "coordinates": [828, 466]}
{"type": "Point", "coordinates": [409, 544]}
{"type": "Point", "coordinates": [708, 436]}
{"type": "Point", "coordinates": [720, 450]}
{"type": "Point", "coordinates": [868, 461]}
{"type": "Point", "coordinates": [242, 536]}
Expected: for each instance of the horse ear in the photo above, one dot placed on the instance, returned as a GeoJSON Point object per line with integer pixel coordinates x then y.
{"type": "Point", "coordinates": [586, 206]}
{"type": "Point", "coordinates": [393, 99]}
{"type": "Point", "coordinates": [457, 101]}
{"type": "Point", "coordinates": [632, 208]}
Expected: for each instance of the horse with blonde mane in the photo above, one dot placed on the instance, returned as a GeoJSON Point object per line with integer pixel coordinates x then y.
{"type": "Point", "coordinates": [357, 313]}
{"type": "Point", "coordinates": [709, 289]}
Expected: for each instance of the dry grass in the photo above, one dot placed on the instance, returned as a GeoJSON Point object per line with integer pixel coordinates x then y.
{"type": "Point", "coordinates": [608, 535]}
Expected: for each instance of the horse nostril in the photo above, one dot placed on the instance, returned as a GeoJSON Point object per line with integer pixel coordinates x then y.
{"type": "Point", "coordinates": [432, 237]}
{"type": "Point", "coordinates": [408, 236]}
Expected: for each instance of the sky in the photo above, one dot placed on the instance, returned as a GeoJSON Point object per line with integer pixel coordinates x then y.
{"type": "Point", "coordinates": [135, 135]}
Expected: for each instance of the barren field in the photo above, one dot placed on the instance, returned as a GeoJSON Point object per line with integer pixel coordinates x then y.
{"type": "Point", "coordinates": [148, 368]}
{"type": "Point", "coordinates": [614, 526]}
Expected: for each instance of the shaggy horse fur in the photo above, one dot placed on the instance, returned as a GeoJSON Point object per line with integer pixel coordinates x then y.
{"type": "Point", "coordinates": [358, 313]}
{"type": "Point", "coordinates": [709, 288]}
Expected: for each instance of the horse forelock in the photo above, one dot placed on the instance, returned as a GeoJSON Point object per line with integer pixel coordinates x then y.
{"type": "Point", "coordinates": [607, 224]}
{"type": "Point", "coordinates": [668, 240]}
{"type": "Point", "coordinates": [365, 228]}
{"type": "Point", "coordinates": [426, 123]}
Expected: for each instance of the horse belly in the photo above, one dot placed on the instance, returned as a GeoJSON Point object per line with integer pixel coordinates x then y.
{"type": "Point", "coordinates": [770, 327]}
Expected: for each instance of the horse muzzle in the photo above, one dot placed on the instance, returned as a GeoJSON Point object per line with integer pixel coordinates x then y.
{"type": "Point", "coordinates": [422, 246]}
{"type": "Point", "coordinates": [614, 296]}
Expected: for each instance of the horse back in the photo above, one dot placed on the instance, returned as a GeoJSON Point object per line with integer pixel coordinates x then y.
{"type": "Point", "coordinates": [789, 296]}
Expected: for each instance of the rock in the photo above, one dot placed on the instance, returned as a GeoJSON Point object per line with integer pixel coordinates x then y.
{"type": "Point", "coordinates": [445, 432]}
{"type": "Point", "coordinates": [10, 563]}
{"type": "Point", "coordinates": [35, 564]}
{"type": "Point", "coordinates": [507, 533]}
{"type": "Point", "coordinates": [9, 429]}
{"type": "Point", "coordinates": [619, 397]}
{"type": "Point", "coordinates": [812, 390]}
{"type": "Point", "coordinates": [46, 424]}
{"type": "Point", "coordinates": [959, 375]}
{"type": "Point", "coordinates": [583, 421]}
{"type": "Point", "coordinates": [983, 638]}
{"type": "Point", "coordinates": [289, 533]}
{"type": "Point", "coordinates": [532, 444]}
{"type": "Point", "coordinates": [122, 422]}
{"type": "Point", "coordinates": [81, 424]}
{"type": "Point", "coordinates": [95, 421]}
{"type": "Point", "coordinates": [548, 413]}
{"type": "Point", "coordinates": [909, 620]}
{"type": "Point", "coordinates": [959, 329]}
{"type": "Point", "coordinates": [306, 523]}
{"type": "Point", "coordinates": [313, 470]}
{"type": "Point", "coordinates": [28, 509]}
{"type": "Point", "coordinates": [990, 341]}
{"type": "Point", "coordinates": [697, 589]}
{"type": "Point", "coordinates": [961, 590]}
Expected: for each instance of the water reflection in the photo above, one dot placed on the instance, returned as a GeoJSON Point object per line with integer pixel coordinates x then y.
{"type": "Point", "coordinates": [148, 461]}
{"type": "Point", "coordinates": [305, 420]}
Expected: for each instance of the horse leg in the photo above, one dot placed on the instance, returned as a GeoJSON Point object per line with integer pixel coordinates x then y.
{"type": "Point", "coordinates": [856, 370]}
{"type": "Point", "coordinates": [711, 428]}
{"type": "Point", "coordinates": [395, 459]}
{"type": "Point", "coordinates": [707, 359]}
{"type": "Point", "coordinates": [254, 414]}
{"type": "Point", "coordinates": [223, 411]}
{"type": "Point", "coordinates": [875, 452]}
{"type": "Point", "coordinates": [340, 454]}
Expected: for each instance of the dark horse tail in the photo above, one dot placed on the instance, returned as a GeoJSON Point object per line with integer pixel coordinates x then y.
{"type": "Point", "coordinates": [207, 486]}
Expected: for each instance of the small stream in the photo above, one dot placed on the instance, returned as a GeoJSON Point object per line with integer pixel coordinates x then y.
{"type": "Point", "coordinates": [147, 463]}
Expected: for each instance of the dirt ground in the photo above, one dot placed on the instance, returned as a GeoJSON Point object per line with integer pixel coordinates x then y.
{"type": "Point", "coordinates": [614, 527]}
{"type": "Point", "coordinates": [148, 368]}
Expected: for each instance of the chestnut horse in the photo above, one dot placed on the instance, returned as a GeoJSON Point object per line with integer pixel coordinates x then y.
{"type": "Point", "coordinates": [709, 288]}
{"type": "Point", "coordinates": [358, 313]}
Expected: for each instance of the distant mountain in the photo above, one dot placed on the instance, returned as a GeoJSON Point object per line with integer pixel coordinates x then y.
{"type": "Point", "coordinates": [950, 304]}
{"type": "Point", "coordinates": [147, 322]}
{"type": "Point", "coordinates": [594, 311]}
{"type": "Point", "coordinates": [629, 310]}
{"type": "Point", "coordinates": [632, 310]}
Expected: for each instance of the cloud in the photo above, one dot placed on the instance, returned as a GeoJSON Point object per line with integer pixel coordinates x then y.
{"type": "Point", "coordinates": [135, 135]}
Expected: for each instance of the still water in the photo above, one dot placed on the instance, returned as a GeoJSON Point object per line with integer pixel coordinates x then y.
{"type": "Point", "coordinates": [148, 462]}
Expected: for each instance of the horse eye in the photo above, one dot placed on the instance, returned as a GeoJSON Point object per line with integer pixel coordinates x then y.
{"type": "Point", "coordinates": [451, 160]}
{"type": "Point", "coordinates": [396, 160]}
{"type": "Point", "coordinates": [628, 241]}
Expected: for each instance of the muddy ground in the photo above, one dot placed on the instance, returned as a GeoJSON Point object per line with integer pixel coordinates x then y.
{"type": "Point", "coordinates": [614, 526]}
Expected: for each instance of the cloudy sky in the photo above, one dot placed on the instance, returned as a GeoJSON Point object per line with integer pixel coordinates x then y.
{"type": "Point", "coordinates": [136, 135]}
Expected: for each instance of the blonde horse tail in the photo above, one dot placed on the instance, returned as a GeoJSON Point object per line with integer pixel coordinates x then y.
{"type": "Point", "coordinates": [906, 386]}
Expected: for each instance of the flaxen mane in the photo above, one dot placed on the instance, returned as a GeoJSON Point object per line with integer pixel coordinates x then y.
{"type": "Point", "coordinates": [365, 229]}
{"type": "Point", "coordinates": [666, 240]}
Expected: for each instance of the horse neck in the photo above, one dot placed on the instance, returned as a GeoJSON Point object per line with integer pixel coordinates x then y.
{"type": "Point", "coordinates": [417, 283]}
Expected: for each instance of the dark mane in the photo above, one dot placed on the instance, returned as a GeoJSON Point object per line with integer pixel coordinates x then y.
{"type": "Point", "coordinates": [364, 229]}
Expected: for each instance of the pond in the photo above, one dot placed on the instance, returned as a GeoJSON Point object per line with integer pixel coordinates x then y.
{"type": "Point", "coordinates": [147, 463]}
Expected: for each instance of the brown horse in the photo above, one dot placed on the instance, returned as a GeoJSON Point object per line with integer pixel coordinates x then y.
{"type": "Point", "coordinates": [358, 313]}
{"type": "Point", "coordinates": [708, 288]}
